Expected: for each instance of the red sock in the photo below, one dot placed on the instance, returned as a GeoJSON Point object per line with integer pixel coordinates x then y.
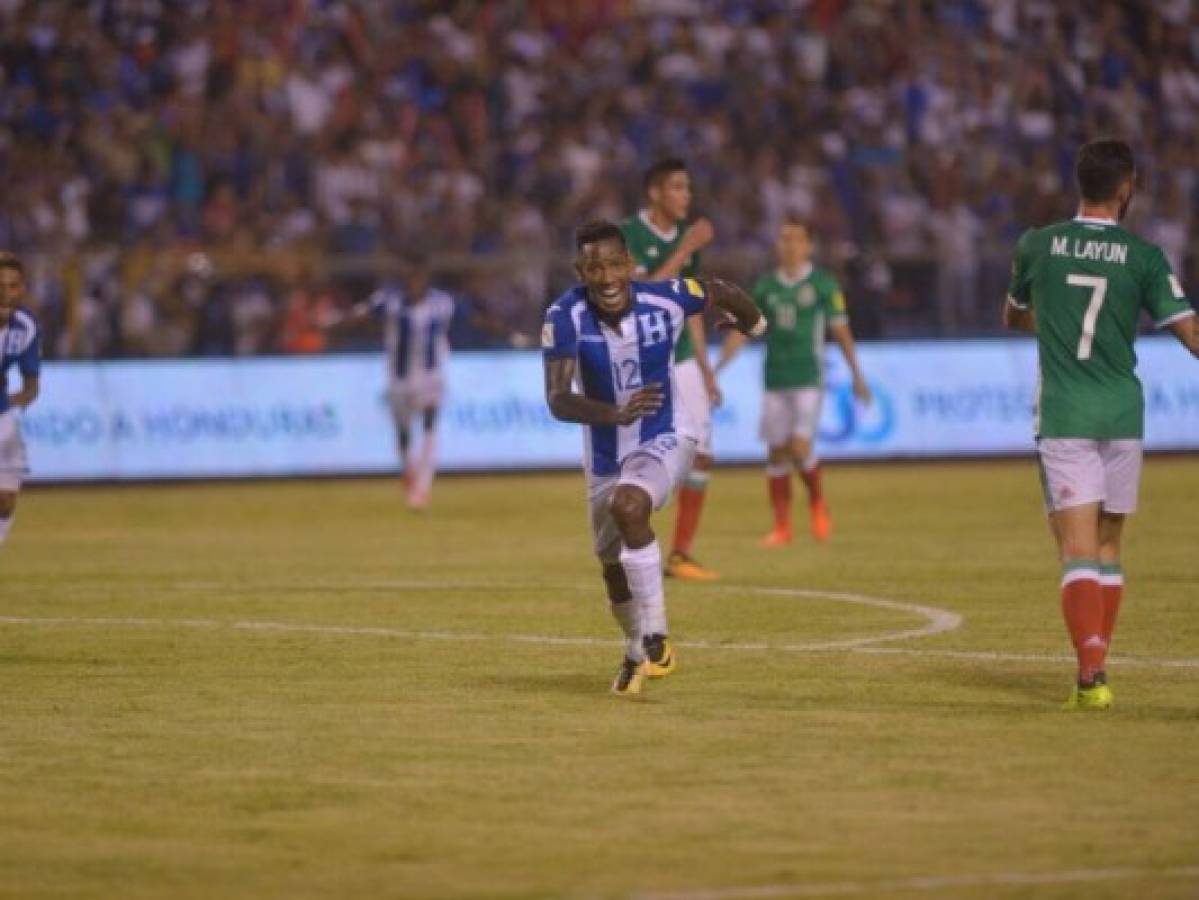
{"type": "Point", "coordinates": [691, 504]}
{"type": "Point", "coordinates": [811, 480]}
{"type": "Point", "coordinates": [779, 482]}
{"type": "Point", "coordinates": [1111, 589]}
{"type": "Point", "coordinates": [1082, 607]}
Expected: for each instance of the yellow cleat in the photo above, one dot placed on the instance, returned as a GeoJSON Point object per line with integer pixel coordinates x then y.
{"type": "Point", "coordinates": [630, 678]}
{"type": "Point", "coordinates": [680, 565]}
{"type": "Point", "coordinates": [661, 659]}
{"type": "Point", "coordinates": [1098, 696]}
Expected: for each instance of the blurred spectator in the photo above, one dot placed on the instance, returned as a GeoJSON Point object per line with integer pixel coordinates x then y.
{"type": "Point", "coordinates": [307, 308]}
{"type": "Point", "coordinates": [918, 138]}
{"type": "Point", "coordinates": [956, 231]}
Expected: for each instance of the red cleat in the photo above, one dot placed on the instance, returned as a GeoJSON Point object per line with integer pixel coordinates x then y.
{"type": "Point", "coordinates": [779, 537]}
{"type": "Point", "coordinates": [822, 525]}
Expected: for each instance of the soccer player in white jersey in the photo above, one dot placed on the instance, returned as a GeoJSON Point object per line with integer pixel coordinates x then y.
{"type": "Point", "coordinates": [616, 338]}
{"type": "Point", "coordinates": [20, 348]}
{"type": "Point", "coordinates": [416, 321]}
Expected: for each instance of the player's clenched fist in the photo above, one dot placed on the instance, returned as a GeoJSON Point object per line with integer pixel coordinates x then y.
{"type": "Point", "coordinates": [644, 402]}
{"type": "Point", "coordinates": [699, 234]}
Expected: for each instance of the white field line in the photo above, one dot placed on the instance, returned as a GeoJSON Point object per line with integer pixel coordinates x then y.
{"type": "Point", "coordinates": [927, 884]}
{"type": "Point", "coordinates": [561, 641]}
{"type": "Point", "coordinates": [992, 656]}
{"type": "Point", "coordinates": [937, 621]}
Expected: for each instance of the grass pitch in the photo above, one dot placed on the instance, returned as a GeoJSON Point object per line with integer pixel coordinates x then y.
{"type": "Point", "coordinates": [302, 690]}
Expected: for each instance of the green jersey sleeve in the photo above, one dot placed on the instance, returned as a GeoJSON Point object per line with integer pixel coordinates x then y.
{"type": "Point", "coordinates": [1161, 293]}
{"type": "Point", "coordinates": [833, 300]}
{"type": "Point", "coordinates": [1019, 292]}
{"type": "Point", "coordinates": [634, 238]}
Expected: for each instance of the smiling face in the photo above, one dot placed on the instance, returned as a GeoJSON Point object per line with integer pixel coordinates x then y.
{"type": "Point", "coordinates": [12, 291]}
{"type": "Point", "coordinates": [606, 268]}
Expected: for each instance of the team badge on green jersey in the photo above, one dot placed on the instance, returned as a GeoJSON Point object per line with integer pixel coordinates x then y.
{"type": "Point", "coordinates": [798, 313]}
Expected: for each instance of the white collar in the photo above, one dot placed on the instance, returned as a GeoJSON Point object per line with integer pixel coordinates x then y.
{"type": "Point", "coordinates": [661, 235]}
{"type": "Point", "coordinates": [1094, 220]}
{"type": "Point", "coordinates": [803, 274]}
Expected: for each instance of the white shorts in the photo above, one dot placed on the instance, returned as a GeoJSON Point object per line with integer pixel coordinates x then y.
{"type": "Point", "coordinates": [693, 418]}
{"type": "Point", "coordinates": [790, 413]}
{"type": "Point", "coordinates": [656, 467]}
{"type": "Point", "coordinates": [415, 395]}
{"type": "Point", "coordinates": [1077, 471]}
{"type": "Point", "coordinates": [14, 462]}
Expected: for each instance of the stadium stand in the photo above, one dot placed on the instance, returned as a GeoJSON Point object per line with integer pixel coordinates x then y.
{"type": "Point", "coordinates": [205, 177]}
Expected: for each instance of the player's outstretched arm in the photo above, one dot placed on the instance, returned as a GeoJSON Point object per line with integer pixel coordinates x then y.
{"type": "Point", "coordinates": [730, 299]}
{"type": "Point", "coordinates": [844, 338]}
{"type": "Point", "coordinates": [697, 236]}
{"type": "Point", "coordinates": [339, 317]}
{"type": "Point", "coordinates": [1187, 330]}
{"type": "Point", "coordinates": [568, 406]}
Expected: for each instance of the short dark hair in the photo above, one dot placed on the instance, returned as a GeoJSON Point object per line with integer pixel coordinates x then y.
{"type": "Point", "coordinates": [661, 170]}
{"type": "Point", "coordinates": [796, 221]}
{"type": "Point", "coordinates": [599, 230]}
{"type": "Point", "coordinates": [1100, 167]}
{"type": "Point", "coordinates": [12, 261]}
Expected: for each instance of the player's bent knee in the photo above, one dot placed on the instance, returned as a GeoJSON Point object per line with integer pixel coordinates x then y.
{"type": "Point", "coordinates": [631, 506]}
{"type": "Point", "coordinates": [8, 504]}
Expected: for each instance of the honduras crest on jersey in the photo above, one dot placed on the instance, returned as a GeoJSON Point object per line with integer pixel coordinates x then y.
{"type": "Point", "coordinates": [616, 361]}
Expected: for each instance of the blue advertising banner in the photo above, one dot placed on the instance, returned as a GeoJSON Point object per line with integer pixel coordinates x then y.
{"type": "Point", "coordinates": [325, 415]}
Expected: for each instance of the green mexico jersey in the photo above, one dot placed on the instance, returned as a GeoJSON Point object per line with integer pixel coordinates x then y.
{"type": "Point", "coordinates": [650, 248]}
{"type": "Point", "coordinates": [1087, 281]}
{"type": "Point", "coordinates": [797, 313]}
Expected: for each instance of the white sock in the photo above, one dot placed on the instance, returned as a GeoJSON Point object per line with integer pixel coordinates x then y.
{"type": "Point", "coordinates": [643, 571]}
{"type": "Point", "coordinates": [426, 462]}
{"type": "Point", "coordinates": [626, 614]}
{"type": "Point", "coordinates": [5, 527]}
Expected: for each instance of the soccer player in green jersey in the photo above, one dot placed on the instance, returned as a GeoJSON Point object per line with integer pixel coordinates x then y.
{"type": "Point", "coordinates": [663, 248]}
{"type": "Point", "coordinates": [1080, 286]}
{"type": "Point", "coordinates": [801, 302]}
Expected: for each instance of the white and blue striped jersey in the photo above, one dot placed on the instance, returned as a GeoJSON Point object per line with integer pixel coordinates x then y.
{"type": "Point", "coordinates": [20, 346]}
{"type": "Point", "coordinates": [415, 335]}
{"type": "Point", "coordinates": [613, 363]}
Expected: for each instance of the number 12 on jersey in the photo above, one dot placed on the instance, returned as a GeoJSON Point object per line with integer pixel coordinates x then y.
{"type": "Point", "coordinates": [1097, 284]}
{"type": "Point", "coordinates": [626, 375]}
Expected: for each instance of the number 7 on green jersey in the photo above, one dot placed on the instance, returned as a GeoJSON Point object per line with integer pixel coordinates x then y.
{"type": "Point", "coordinates": [1098, 287]}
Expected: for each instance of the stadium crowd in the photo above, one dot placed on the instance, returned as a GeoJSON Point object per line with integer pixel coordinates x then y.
{"type": "Point", "coordinates": [213, 176]}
